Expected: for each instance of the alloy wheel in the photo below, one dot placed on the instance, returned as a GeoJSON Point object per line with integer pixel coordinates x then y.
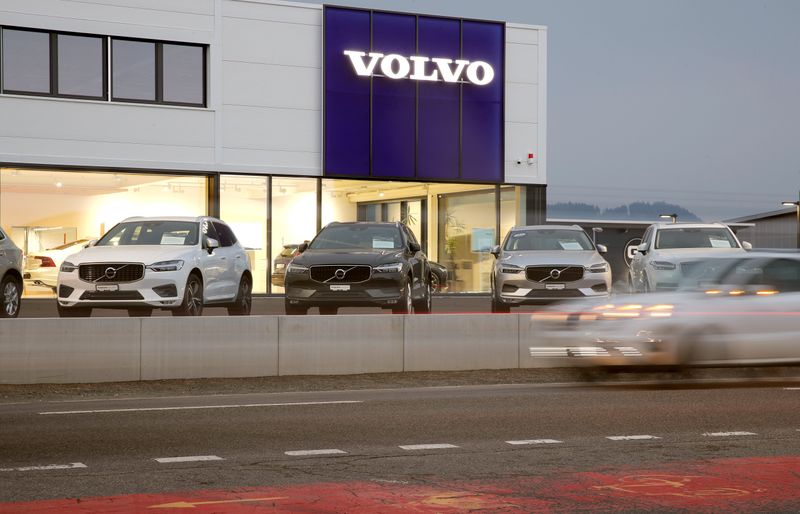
{"type": "Point", "coordinates": [11, 299]}
{"type": "Point", "coordinates": [409, 300]}
{"type": "Point", "coordinates": [246, 296]}
{"type": "Point", "coordinates": [194, 301]}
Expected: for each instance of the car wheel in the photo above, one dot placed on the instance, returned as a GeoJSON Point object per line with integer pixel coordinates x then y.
{"type": "Point", "coordinates": [406, 305]}
{"type": "Point", "coordinates": [295, 310]}
{"type": "Point", "coordinates": [244, 299]}
{"type": "Point", "coordinates": [328, 310]}
{"type": "Point", "coordinates": [192, 298]}
{"type": "Point", "coordinates": [140, 312]}
{"type": "Point", "coordinates": [74, 312]}
{"type": "Point", "coordinates": [10, 294]}
{"type": "Point", "coordinates": [424, 305]}
{"type": "Point", "coordinates": [435, 283]}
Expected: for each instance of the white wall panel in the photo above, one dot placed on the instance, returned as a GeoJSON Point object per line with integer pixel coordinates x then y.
{"type": "Point", "coordinates": [522, 102]}
{"type": "Point", "coordinates": [522, 139]}
{"type": "Point", "coordinates": [271, 85]}
{"type": "Point", "coordinates": [522, 63]}
{"type": "Point", "coordinates": [272, 42]}
{"type": "Point", "coordinates": [521, 34]}
{"type": "Point", "coordinates": [266, 128]}
{"type": "Point", "coordinates": [271, 161]}
{"type": "Point", "coordinates": [306, 14]}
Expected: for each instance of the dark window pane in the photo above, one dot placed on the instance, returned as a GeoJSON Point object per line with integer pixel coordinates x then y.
{"type": "Point", "coordinates": [80, 65]}
{"type": "Point", "coordinates": [26, 61]}
{"type": "Point", "coordinates": [183, 74]}
{"type": "Point", "coordinates": [134, 70]}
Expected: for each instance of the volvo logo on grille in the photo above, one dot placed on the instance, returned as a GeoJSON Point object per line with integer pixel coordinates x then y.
{"type": "Point", "coordinates": [111, 272]}
{"type": "Point", "coordinates": [340, 273]}
{"type": "Point", "coordinates": [555, 273]}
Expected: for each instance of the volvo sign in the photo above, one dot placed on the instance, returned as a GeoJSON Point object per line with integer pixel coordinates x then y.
{"type": "Point", "coordinates": [417, 67]}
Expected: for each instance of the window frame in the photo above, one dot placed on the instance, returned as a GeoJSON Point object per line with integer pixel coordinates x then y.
{"type": "Point", "coordinates": [53, 64]}
{"type": "Point", "coordinates": [159, 72]}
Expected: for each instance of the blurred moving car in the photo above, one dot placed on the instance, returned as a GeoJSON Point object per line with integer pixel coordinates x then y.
{"type": "Point", "coordinates": [288, 252]}
{"type": "Point", "coordinates": [360, 264]}
{"type": "Point", "coordinates": [728, 311]}
{"type": "Point", "coordinates": [175, 263]}
{"type": "Point", "coordinates": [10, 277]}
{"type": "Point", "coordinates": [439, 277]}
{"type": "Point", "coordinates": [542, 263]}
{"type": "Point", "coordinates": [669, 250]}
{"type": "Point", "coordinates": [41, 268]}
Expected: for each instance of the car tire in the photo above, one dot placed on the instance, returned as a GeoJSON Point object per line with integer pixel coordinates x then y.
{"type": "Point", "coordinates": [328, 310]}
{"type": "Point", "coordinates": [435, 285]}
{"type": "Point", "coordinates": [192, 298]}
{"type": "Point", "coordinates": [424, 305]}
{"type": "Point", "coordinates": [295, 310]}
{"type": "Point", "coordinates": [140, 312]}
{"type": "Point", "coordinates": [74, 312]}
{"type": "Point", "coordinates": [244, 298]}
{"type": "Point", "coordinates": [10, 297]}
{"type": "Point", "coordinates": [405, 306]}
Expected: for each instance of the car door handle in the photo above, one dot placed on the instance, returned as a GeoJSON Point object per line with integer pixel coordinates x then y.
{"type": "Point", "coordinates": [238, 256]}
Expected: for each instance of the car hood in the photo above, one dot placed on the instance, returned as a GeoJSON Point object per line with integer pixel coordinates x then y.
{"type": "Point", "coordinates": [145, 254]}
{"type": "Point", "coordinates": [692, 254]}
{"type": "Point", "coordinates": [336, 257]}
{"type": "Point", "coordinates": [556, 257]}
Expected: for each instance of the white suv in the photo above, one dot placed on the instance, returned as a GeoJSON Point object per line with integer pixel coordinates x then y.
{"type": "Point", "coordinates": [180, 264]}
{"type": "Point", "coordinates": [669, 250]}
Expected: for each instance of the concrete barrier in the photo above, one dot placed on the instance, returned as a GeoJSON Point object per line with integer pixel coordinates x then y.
{"type": "Point", "coordinates": [35, 351]}
{"type": "Point", "coordinates": [209, 347]}
{"type": "Point", "coordinates": [340, 345]}
{"type": "Point", "coordinates": [461, 342]}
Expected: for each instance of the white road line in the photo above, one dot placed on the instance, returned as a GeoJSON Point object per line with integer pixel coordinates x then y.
{"type": "Point", "coordinates": [300, 453]}
{"type": "Point", "coordinates": [427, 446]}
{"type": "Point", "coordinates": [727, 434]}
{"type": "Point", "coordinates": [74, 465]}
{"type": "Point", "coordinates": [631, 437]}
{"type": "Point", "coordinates": [535, 441]}
{"type": "Point", "coordinates": [196, 407]}
{"type": "Point", "coordinates": [193, 458]}
{"type": "Point", "coordinates": [791, 388]}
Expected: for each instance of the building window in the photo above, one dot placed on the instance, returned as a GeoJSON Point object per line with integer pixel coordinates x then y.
{"type": "Point", "coordinates": [26, 61]}
{"type": "Point", "coordinates": [81, 66]}
{"type": "Point", "coordinates": [149, 71]}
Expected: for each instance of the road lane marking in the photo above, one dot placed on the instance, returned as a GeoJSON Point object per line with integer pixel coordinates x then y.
{"type": "Point", "coordinates": [791, 388]}
{"type": "Point", "coordinates": [300, 453]}
{"type": "Point", "coordinates": [74, 465]}
{"type": "Point", "coordinates": [191, 458]}
{"type": "Point", "coordinates": [535, 441]}
{"type": "Point", "coordinates": [197, 407]}
{"type": "Point", "coordinates": [631, 437]}
{"type": "Point", "coordinates": [427, 446]}
{"type": "Point", "coordinates": [727, 434]}
{"type": "Point", "coordinates": [192, 505]}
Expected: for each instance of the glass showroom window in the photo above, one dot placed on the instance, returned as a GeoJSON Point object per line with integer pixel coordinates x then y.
{"type": "Point", "coordinates": [294, 220]}
{"type": "Point", "coordinates": [244, 203]}
{"type": "Point", "coordinates": [81, 66]}
{"type": "Point", "coordinates": [74, 206]}
{"type": "Point", "coordinates": [26, 62]}
{"type": "Point", "coordinates": [509, 209]}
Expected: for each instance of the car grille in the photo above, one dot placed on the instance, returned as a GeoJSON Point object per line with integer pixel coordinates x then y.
{"type": "Point", "coordinates": [347, 274]}
{"type": "Point", "coordinates": [123, 272]}
{"type": "Point", "coordinates": [543, 273]}
{"type": "Point", "coordinates": [111, 295]}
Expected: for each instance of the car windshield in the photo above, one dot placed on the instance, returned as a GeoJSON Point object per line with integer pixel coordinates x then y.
{"type": "Point", "coordinates": [364, 237]}
{"type": "Point", "coordinates": [164, 233]}
{"type": "Point", "coordinates": [73, 243]}
{"type": "Point", "coordinates": [689, 237]}
{"type": "Point", "coordinates": [548, 239]}
{"type": "Point", "coordinates": [289, 251]}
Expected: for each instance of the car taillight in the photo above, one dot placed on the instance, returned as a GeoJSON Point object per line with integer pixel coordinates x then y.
{"type": "Point", "coordinates": [46, 262]}
{"type": "Point", "coordinates": [296, 253]}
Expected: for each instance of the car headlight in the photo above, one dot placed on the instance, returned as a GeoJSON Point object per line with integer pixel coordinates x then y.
{"type": "Point", "coordinates": [166, 266]}
{"type": "Point", "coordinates": [395, 267]}
{"type": "Point", "coordinates": [598, 268]}
{"type": "Point", "coordinates": [663, 265]}
{"type": "Point", "coordinates": [296, 268]}
{"type": "Point", "coordinates": [67, 267]}
{"type": "Point", "coordinates": [280, 265]}
{"type": "Point", "coordinates": [510, 269]}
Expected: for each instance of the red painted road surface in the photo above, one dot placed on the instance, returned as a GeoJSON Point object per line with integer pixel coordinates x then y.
{"type": "Point", "coordinates": [767, 484]}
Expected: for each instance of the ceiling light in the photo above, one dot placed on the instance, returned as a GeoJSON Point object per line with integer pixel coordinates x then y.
{"type": "Point", "coordinates": [59, 184]}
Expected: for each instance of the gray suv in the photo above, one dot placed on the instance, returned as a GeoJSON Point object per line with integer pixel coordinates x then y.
{"type": "Point", "coordinates": [542, 263]}
{"type": "Point", "coordinates": [10, 277]}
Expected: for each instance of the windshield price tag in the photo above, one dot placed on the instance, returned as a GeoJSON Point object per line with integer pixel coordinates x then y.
{"type": "Point", "coordinates": [340, 287]}
{"type": "Point", "coordinates": [555, 286]}
{"type": "Point", "coordinates": [107, 287]}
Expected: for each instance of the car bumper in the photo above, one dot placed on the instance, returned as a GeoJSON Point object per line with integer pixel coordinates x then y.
{"type": "Point", "coordinates": [517, 290]}
{"type": "Point", "coordinates": [384, 291]}
{"type": "Point", "coordinates": [156, 289]}
{"type": "Point", "coordinates": [41, 277]}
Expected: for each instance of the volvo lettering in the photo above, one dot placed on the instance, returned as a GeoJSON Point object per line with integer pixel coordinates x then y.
{"type": "Point", "coordinates": [416, 67]}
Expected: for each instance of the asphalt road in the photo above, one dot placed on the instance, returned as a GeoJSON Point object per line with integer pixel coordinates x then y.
{"type": "Point", "coordinates": [506, 448]}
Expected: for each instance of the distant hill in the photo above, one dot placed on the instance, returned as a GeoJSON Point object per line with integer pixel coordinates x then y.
{"type": "Point", "coordinates": [636, 211]}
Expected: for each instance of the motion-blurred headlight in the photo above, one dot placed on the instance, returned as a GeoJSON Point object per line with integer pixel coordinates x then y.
{"type": "Point", "coordinates": [598, 268]}
{"type": "Point", "coordinates": [67, 267]}
{"type": "Point", "coordinates": [395, 267]}
{"type": "Point", "coordinates": [166, 266]}
{"type": "Point", "coordinates": [510, 269]}
{"type": "Point", "coordinates": [296, 268]}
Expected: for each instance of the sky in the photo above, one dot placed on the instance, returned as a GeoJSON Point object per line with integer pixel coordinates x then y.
{"type": "Point", "coordinates": [694, 102]}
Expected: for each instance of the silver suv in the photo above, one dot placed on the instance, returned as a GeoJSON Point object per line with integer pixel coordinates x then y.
{"type": "Point", "coordinates": [541, 263]}
{"type": "Point", "coordinates": [10, 277]}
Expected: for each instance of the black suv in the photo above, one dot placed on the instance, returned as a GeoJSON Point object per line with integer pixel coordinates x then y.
{"type": "Point", "coordinates": [357, 264]}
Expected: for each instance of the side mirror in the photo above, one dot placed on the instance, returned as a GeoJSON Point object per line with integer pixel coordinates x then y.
{"type": "Point", "coordinates": [302, 248]}
{"type": "Point", "coordinates": [746, 245]}
{"type": "Point", "coordinates": [91, 243]}
{"type": "Point", "coordinates": [414, 247]}
{"type": "Point", "coordinates": [602, 248]}
{"type": "Point", "coordinates": [211, 244]}
{"type": "Point", "coordinates": [642, 248]}
{"type": "Point", "coordinates": [495, 251]}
